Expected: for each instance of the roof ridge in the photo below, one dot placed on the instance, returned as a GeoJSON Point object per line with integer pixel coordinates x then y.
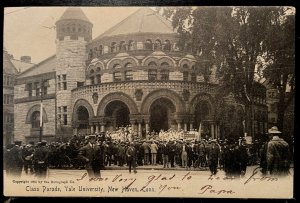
{"type": "Point", "coordinates": [36, 65]}
{"type": "Point", "coordinates": [117, 24]}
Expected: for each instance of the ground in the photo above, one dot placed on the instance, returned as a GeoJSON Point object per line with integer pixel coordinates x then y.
{"type": "Point", "coordinates": [152, 183]}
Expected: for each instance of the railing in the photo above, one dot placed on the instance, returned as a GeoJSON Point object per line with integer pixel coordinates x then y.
{"type": "Point", "coordinates": [144, 85]}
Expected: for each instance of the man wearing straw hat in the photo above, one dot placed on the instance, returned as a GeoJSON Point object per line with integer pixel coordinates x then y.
{"type": "Point", "coordinates": [277, 154]}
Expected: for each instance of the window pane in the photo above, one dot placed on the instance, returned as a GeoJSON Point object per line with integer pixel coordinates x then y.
{"type": "Point", "coordinates": [65, 85]}
{"type": "Point", "coordinates": [164, 75]}
{"type": "Point", "coordinates": [65, 109]}
{"type": "Point", "coordinates": [64, 77]}
{"type": "Point", "coordinates": [98, 79]}
{"type": "Point", "coordinates": [117, 76]}
{"type": "Point", "coordinates": [128, 75]}
{"type": "Point", "coordinates": [185, 76]}
{"type": "Point", "coordinates": [193, 77]}
{"type": "Point", "coordinates": [65, 119]}
{"type": "Point", "coordinates": [152, 74]}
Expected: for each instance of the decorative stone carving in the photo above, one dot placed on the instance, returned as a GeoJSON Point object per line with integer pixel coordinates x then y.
{"type": "Point", "coordinates": [95, 97]}
{"type": "Point", "coordinates": [138, 94]}
{"type": "Point", "coordinates": [186, 94]}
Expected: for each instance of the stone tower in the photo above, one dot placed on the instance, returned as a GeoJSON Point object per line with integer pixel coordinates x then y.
{"type": "Point", "coordinates": [73, 32]}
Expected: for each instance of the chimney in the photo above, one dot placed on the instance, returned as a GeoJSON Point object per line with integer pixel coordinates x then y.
{"type": "Point", "coordinates": [26, 59]}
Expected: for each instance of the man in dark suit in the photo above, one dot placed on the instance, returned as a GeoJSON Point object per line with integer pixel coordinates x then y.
{"type": "Point", "coordinates": [131, 157]}
{"type": "Point", "coordinates": [15, 159]}
{"type": "Point", "coordinates": [91, 154]}
{"type": "Point", "coordinates": [40, 157]}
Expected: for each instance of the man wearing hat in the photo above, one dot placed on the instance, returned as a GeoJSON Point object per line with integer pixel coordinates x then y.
{"type": "Point", "coordinates": [277, 154]}
{"type": "Point", "coordinates": [213, 153]}
{"type": "Point", "coordinates": [131, 157]}
{"type": "Point", "coordinates": [27, 155]}
{"type": "Point", "coordinates": [16, 161]}
{"type": "Point", "coordinates": [91, 154]}
{"type": "Point", "coordinates": [40, 157]}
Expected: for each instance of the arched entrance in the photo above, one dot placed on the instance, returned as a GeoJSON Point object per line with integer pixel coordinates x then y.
{"type": "Point", "coordinates": [83, 119]}
{"type": "Point", "coordinates": [201, 115]}
{"type": "Point", "coordinates": [161, 111]}
{"type": "Point", "coordinates": [119, 112]}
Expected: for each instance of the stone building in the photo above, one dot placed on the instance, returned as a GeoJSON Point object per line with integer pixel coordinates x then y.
{"type": "Point", "coordinates": [132, 74]}
{"type": "Point", "coordinates": [9, 75]}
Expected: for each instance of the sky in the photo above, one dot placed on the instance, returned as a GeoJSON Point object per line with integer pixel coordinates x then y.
{"type": "Point", "coordinates": [24, 34]}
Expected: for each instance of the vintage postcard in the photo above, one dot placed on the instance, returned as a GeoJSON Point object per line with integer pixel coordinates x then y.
{"type": "Point", "coordinates": [149, 102]}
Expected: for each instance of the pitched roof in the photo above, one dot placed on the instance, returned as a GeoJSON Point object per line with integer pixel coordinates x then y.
{"type": "Point", "coordinates": [46, 66]}
{"type": "Point", "coordinates": [21, 66]}
{"type": "Point", "coordinates": [8, 66]}
{"type": "Point", "coordinates": [144, 20]}
{"type": "Point", "coordinates": [74, 13]}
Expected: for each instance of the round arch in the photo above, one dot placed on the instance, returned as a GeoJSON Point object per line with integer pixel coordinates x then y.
{"type": "Point", "coordinates": [168, 60]}
{"type": "Point", "coordinates": [131, 60]}
{"type": "Point", "coordinates": [163, 93]}
{"type": "Point", "coordinates": [185, 61]}
{"type": "Point", "coordinates": [147, 60]}
{"type": "Point", "coordinates": [117, 96]}
{"type": "Point", "coordinates": [112, 62]}
{"type": "Point", "coordinates": [84, 103]}
{"type": "Point", "coordinates": [33, 109]}
{"type": "Point", "coordinates": [199, 98]}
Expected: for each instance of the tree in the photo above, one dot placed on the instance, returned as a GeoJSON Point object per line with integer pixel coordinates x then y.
{"type": "Point", "coordinates": [280, 58]}
{"type": "Point", "coordinates": [231, 38]}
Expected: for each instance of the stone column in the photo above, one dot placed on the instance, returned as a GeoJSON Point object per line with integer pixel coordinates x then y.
{"type": "Point", "coordinates": [92, 129]}
{"type": "Point", "coordinates": [97, 128]}
{"type": "Point", "coordinates": [212, 131]}
{"type": "Point", "coordinates": [140, 129]}
{"type": "Point", "coordinates": [191, 126]}
{"type": "Point", "coordinates": [185, 126]}
{"type": "Point", "coordinates": [178, 125]}
{"type": "Point", "coordinates": [102, 127]}
{"type": "Point", "coordinates": [147, 128]}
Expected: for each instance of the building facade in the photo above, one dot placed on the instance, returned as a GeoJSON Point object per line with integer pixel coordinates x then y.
{"type": "Point", "coordinates": [133, 74]}
{"type": "Point", "coordinates": [9, 76]}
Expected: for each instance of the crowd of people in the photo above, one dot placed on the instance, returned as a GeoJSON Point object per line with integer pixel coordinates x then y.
{"type": "Point", "coordinates": [99, 151]}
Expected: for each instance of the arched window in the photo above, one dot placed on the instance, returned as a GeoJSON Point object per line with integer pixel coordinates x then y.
{"type": "Point", "coordinates": [164, 65]}
{"type": "Point", "coordinates": [152, 64]}
{"type": "Point", "coordinates": [152, 74]}
{"type": "Point", "coordinates": [164, 74]}
{"type": "Point", "coordinates": [148, 44]}
{"type": "Point", "coordinates": [157, 45]}
{"type": "Point", "coordinates": [35, 119]}
{"type": "Point", "coordinates": [167, 45]}
{"type": "Point", "coordinates": [122, 46]}
{"type": "Point", "coordinates": [131, 45]}
{"type": "Point", "coordinates": [113, 47]}
{"type": "Point", "coordinates": [128, 65]}
{"type": "Point", "coordinates": [116, 66]}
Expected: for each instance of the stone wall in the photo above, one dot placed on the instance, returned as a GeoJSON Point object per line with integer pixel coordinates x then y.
{"type": "Point", "coordinates": [23, 129]}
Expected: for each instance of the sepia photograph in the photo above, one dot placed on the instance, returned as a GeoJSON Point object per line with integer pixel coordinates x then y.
{"type": "Point", "coordinates": [194, 101]}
